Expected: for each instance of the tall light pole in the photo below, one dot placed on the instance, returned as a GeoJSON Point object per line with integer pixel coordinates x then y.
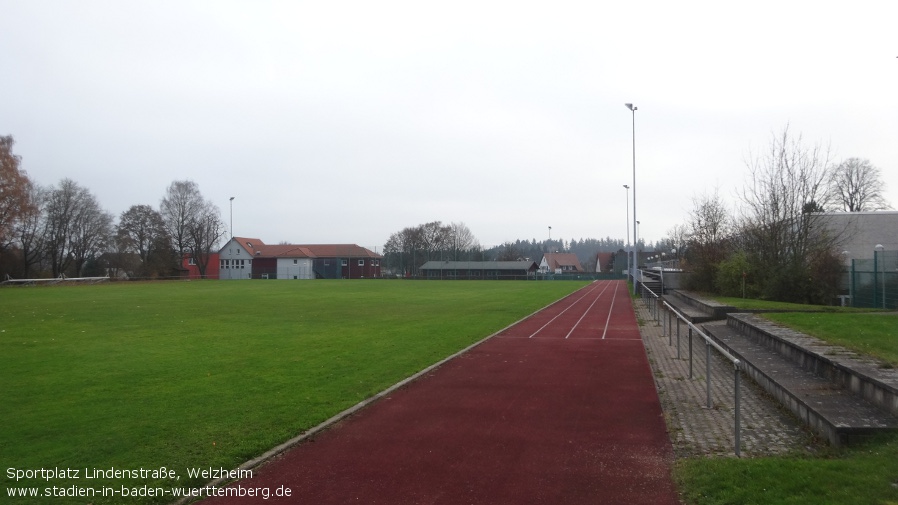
{"type": "Point", "coordinates": [627, 209]}
{"type": "Point", "coordinates": [232, 217]}
{"type": "Point", "coordinates": [635, 239]}
{"type": "Point", "coordinates": [879, 248]}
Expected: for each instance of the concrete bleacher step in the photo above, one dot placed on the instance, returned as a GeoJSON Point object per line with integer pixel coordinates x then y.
{"type": "Point", "coordinates": [695, 308]}
{"type": "Point", "coordinates": [827, 408]}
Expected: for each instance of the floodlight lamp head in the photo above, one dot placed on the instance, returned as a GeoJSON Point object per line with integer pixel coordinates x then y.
{"type": "Point", "coordinates": [631, 107]}
{"type": "Point", "coordinates": [626, 186]}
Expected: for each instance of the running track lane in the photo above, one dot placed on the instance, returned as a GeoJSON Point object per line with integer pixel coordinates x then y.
{"type": "Point", "coordinates": [557, 413]}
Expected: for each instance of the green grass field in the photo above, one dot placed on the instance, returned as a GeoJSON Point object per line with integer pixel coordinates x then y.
{"type": "Point", "coordinates": [210, 374]}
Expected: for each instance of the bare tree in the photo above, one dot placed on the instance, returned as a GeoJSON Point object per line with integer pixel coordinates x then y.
{"type": "Point", "coordinates": [509, 251]}
{"type": "Point", "coordinates": [781, 229]}
{"type": "Point", "coordinates": [91, 232]}
{"type": "Point", "coordinates": [76, 228]}
{"type": "Point", "coordinates": [181, 205]}
{"type": "Point", "coordinates": [204, 232]}
{"type": "Point", "coordinates": [675, 241]}
{"type": "Point", "coordinates": [434, 237]}
{"type": "Point", "coordinates": [460, 239]}
{"type": "Point", "coordinates": [30, 231]}
{"type": "Point", "coordinates": [141, 230]}
{"type": "Point", "coordinates": [856, 186]}
{"type": "Point", "coordinates": [709, 230]}
{"type": "Point", "coordinates": [14, 194]}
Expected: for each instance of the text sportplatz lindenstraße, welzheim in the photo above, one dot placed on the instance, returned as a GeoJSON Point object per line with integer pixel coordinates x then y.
{"type": "Point", "coordinates": [71, 489]}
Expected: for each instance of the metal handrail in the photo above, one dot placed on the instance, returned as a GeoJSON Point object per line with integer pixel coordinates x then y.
{"type": "Point", "coordinates": [651, 302]}
{"type": "Point", "coordinates": [709, 343]}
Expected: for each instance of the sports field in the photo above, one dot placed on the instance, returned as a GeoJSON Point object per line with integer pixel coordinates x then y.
{"type": "Point", "coordinates": [142, 385]}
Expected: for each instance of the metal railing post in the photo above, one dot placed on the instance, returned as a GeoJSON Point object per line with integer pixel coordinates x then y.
{"type": "Point", "coordinates": [737, 421]}
{"type": "Point", "coordinates": [678, 347]}
{"type": "Point", "coordinates": [737, 428]}
{"type": "Point", "coordinates": [708, 371]}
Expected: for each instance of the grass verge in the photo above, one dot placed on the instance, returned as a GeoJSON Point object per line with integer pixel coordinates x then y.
{"type": "Point", "coordinates": [872, 334]}
{"type": "Point", "coordinates": [753, 304]}
{"type": "Point", "coordinates": [867, 474]}
{"type": "Point", "coordinates": [210, 374]}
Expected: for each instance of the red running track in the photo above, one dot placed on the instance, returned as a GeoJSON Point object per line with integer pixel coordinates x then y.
{"type": "Point", "coordinates": [560, 408]}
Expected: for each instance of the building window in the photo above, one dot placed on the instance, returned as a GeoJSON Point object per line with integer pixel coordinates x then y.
{"type": "Point", "coordinates": [343, 263]}
{"type": "Point", "coordinates": [361, 263]}
{"type": "Point", "coordinates": [294, 261]}
{"type": "Point", "coordinates": [191, 261]}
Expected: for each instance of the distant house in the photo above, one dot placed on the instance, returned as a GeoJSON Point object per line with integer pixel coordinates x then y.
{"type": "Point", "coordinates": [560, 263]}
{"type": "Point", "coordinates": [250, 258]}
{"type": "Point", "coordinates": [478, 269]}
{"type": "Point", "coordinates": [604, 262]}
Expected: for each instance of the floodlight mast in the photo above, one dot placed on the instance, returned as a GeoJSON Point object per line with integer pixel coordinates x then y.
{"type": "Point", "coordinates": [232, 217]}
{"type": "Point", "coordinates": [633, 109]}
{"type": "Point", "coordinates": [627, 214]}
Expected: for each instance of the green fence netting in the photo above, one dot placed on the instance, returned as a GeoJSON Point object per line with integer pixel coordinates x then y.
{"type": "Point", "coordinates": [873, 283]}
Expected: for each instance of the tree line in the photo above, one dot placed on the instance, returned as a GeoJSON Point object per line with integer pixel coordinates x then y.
{"type": "Point", "coordinates": [408, 249]}
{"type": "Point", "coordinates": [63, 230]}
{"type": "Point", "coordinates": [776, 243]}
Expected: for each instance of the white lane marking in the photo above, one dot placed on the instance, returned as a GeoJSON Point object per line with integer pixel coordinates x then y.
{"type": "Point", "coordinates": [587, 311]}
{"type": "Point", "coordinates": [608, 321]}
{"type": "Point", "coordinates": [560, 313]}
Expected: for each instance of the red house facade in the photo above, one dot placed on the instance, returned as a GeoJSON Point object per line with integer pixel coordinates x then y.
{"type": "Point", "coordinates": [189, 269]}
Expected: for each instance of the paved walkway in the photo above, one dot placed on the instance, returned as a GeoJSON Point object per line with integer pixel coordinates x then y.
{"type": "Point", "coordinates": [767, 429]}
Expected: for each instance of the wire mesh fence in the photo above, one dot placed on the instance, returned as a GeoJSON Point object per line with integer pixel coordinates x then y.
{"type": "Point", "coordinates": [873, 283]}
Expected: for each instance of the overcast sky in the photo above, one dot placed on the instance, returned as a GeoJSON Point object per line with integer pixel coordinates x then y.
{"type": "Point", "coordinates": [333, 122]}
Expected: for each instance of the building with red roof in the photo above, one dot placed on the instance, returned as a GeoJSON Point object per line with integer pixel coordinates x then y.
{"type": "Point", "coordinates": [560, 263]}
{"type": "Point", "coordinates": [250, 258]}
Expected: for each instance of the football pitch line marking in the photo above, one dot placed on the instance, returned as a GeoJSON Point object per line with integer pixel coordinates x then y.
{"type": "Point", "coordinates": [562, 312]}
{"type": "Point", "coordinates": [587, 312]}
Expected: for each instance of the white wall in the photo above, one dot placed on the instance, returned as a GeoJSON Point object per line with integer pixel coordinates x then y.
{"type": "Point", "coordinates": [864, 230]}
{"type": "Point", "coordinates": [299, 268]}
{"type": "Point", "coordinates": [239, 260]}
